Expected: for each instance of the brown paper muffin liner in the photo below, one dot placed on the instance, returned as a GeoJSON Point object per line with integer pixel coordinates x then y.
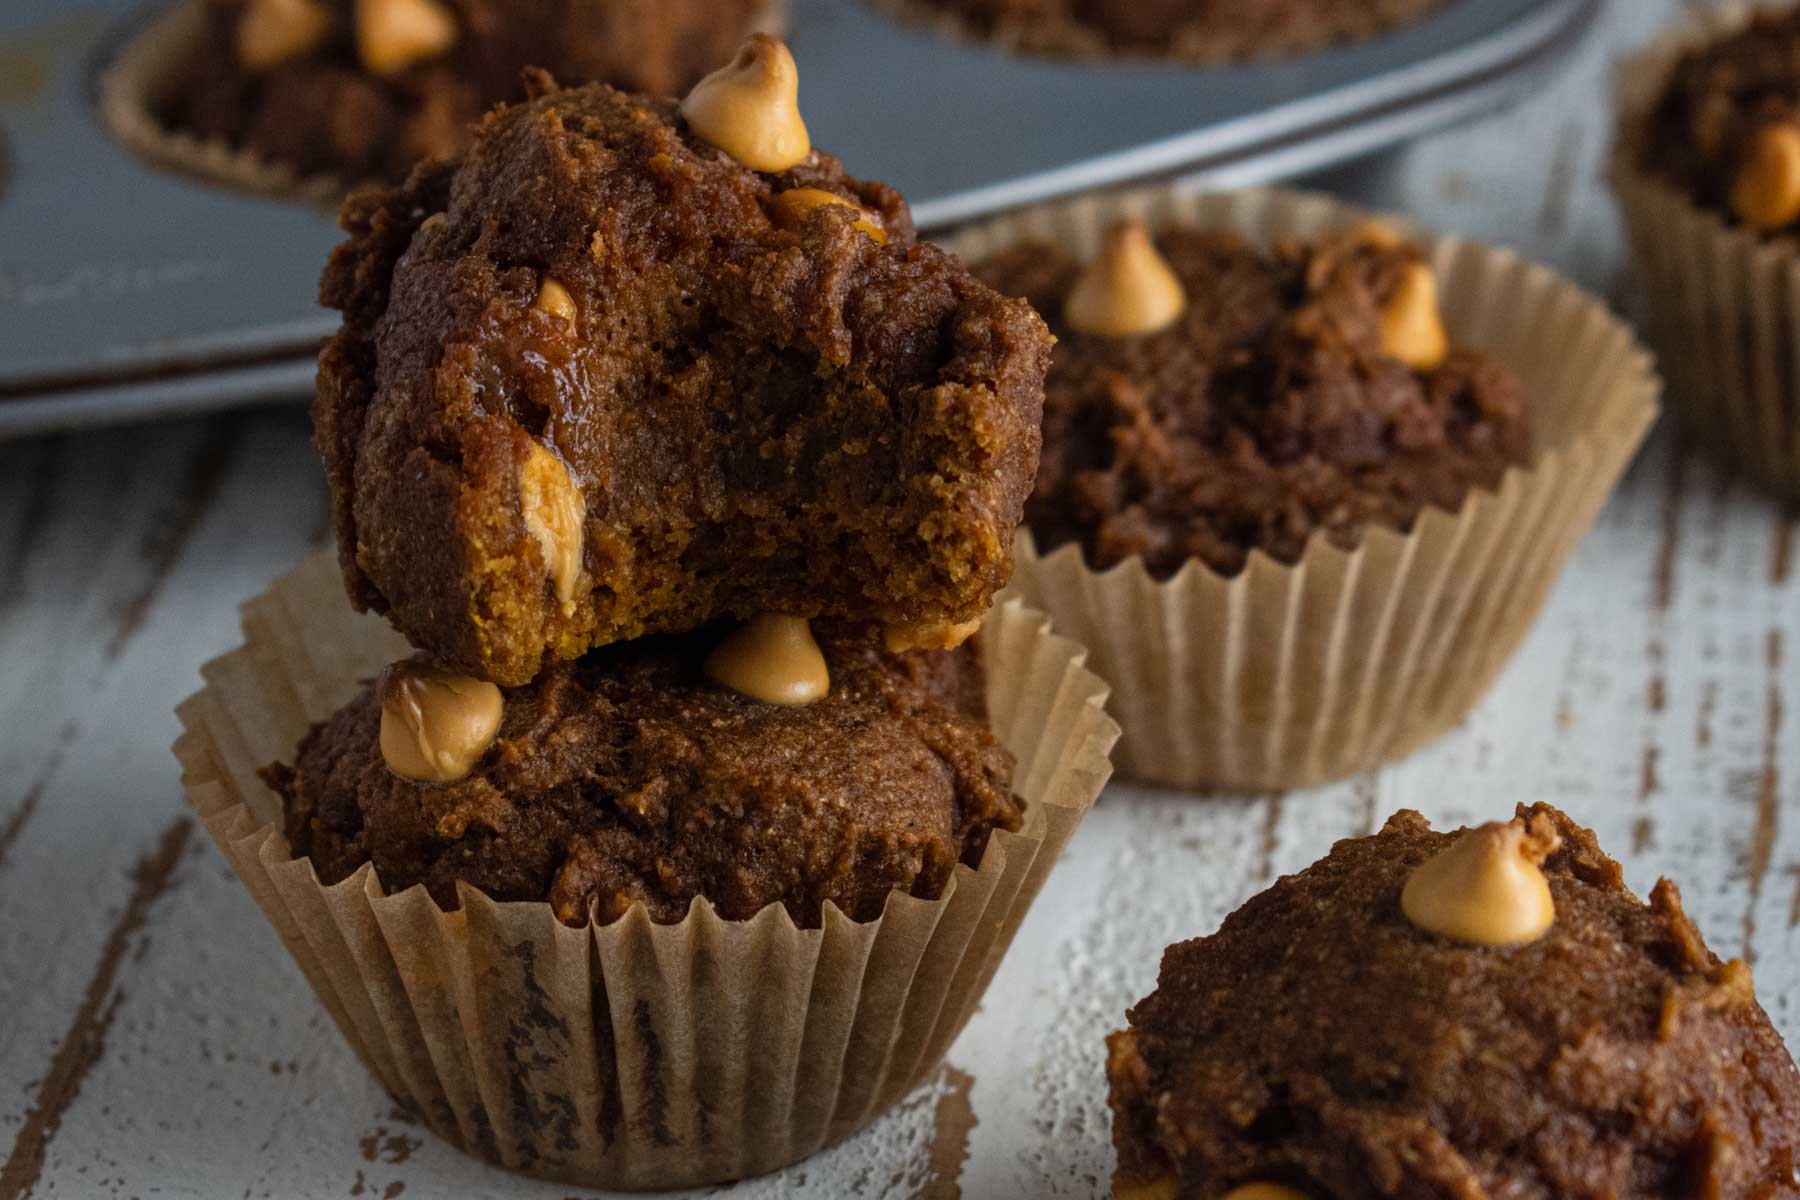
{"type": "Point", "coordinates": [1287, 676]}
{"type": "Point", "coordinates": [137, 82]}
{"type": "Point", "coordinates": [634, 1055]}
{"type": "Point", "coordinates": [1723, 303]}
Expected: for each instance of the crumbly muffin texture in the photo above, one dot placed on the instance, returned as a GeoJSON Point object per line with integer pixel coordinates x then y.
{"type": "Point", "coordinates": [630, 777]}
{"type": "Point", "coordinates": [761, 416]}
{"type": "Point", "coordinates": [1267, 413]}
{"type": "Point", "coordinates": [1201, 31]}
{"type": "Point", "coordinates": [1322, 1042]}
{"type": "Point", "coordinates": [324, 111]}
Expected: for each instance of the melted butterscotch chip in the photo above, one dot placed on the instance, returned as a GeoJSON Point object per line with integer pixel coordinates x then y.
{"type": "Point", "coordinates": [1162, 1189]}
{"type": "Point", "coordinates": [272, 31]}
{"type": "Point", "coordinates": [1488, 886]}
{"type": "Point", "coordinates": [392, 35]}
{"type": "Point", "coordinates": [435, 725]}
{"type": "Point", "coordinates": [1765, 192]}
{"type": "Point", "coordinates": [554, 515]}
{"type": "Point", "coordinates": [1264, 1191]}
{"type": "Point", "coordinates": [750, 108]}
{"type": "Point", "coordinates": [790, 208]}
{"type": "Point", "coordinates": [1128, 289]}
{"type": "Point", "coordinates": [1412, 328]}
{"type": "Point", "coordinates": [772, 658]}
{"type": "Point", "coordinates": [935, 635]}
{"type": "Point", "coordinates": [554, 298]}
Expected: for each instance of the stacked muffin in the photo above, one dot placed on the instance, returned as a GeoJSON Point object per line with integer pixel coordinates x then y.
{"type": "Point", "coordinates": [689, 474]}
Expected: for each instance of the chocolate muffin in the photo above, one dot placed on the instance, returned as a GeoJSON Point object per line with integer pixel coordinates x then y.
{"type": "Point", "coordinates": [1201, 31]}
{"type": "Point", "coordinates": [631, 775]}
{"type": "Point", "coordinates": [1481, 1014]}
{"type": "Point", "coordinates": [1726, 131]}
{"type": "Point", "coordinates": [597, 378]}
{"type": "Point", "coordinates": [365, 88]}
{"type": "Point", "coordinates": [1251, 399]}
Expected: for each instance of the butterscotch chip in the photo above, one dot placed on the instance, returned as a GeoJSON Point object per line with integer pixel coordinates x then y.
{"type": "Point", "coordinates": [554, 514]}
{"type": "Point", "coordinates": [271, 32]}
{"type": "Point", "coordinates": [790, 208]}
{"type": "Point", "coordinates": [392, 35]}
{"type": "Point", "coordinates": [750, 108]}
{"type": "Point", "coordinates": [1162, 1189]}
{"type": "Point", "coordinates": [435, 724]}
{"type": "Point", "coordinates": [936, 635]}
{"type": "Point", "coordinates": [1412, 328]}
{"type": "Point", "coordinates": [1487, 887]}
{"type": "Point", "coordinates": [1264, 1191]}
{"type": "Point", "coordinates": [554, 298]}
{"type": "Point", "coordinates": [772, 658]}
{"type": "Point", "coordinates": [1128, 289]}
{"type": "Point", "coordinates": [1766, 190]}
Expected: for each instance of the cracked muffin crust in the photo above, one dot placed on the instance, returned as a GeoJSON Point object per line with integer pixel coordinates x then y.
{"type": "Point", "coordinates": [631, 776]}
{"type": "Point", "coordinates": [745, 407]}
{"type": "Point", "coordinates": [1323, 1042]}
{"type": "Point", "coordinates": [1268, 411]}
{"type": "Point", "coordinates": [321, 108]}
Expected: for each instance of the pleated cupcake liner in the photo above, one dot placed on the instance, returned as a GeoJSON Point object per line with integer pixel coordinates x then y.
{"type": "Point", "coordinates": [633, 1055]}
{"type": "Point", "coordinates": [140, 78]}
{"type": "Point", "coordinates": [1723, 302]}
{"type": "Point", "coordinates": [1289, 676]}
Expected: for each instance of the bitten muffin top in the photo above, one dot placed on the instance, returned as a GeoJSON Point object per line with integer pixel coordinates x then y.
{"type": "Point", "coordinates": [598, 379]}
{"type": "Point", "coordinates": [1326, 1041]}
{"type": "Point", "coordinates": [366, 88]}
{"type": "Point", "coordinates": [632, 776]}
{"type": "Point", "coordinates": [1272, 407]}
{"type": "Point", "coordinates": [1727, 128]}
{"type": "Point", "coordinates": [1202, 31]}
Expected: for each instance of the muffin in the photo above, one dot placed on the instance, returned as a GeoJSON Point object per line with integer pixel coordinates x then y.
{"type": "Point", "coordinates": [1485, 1013]}
{"type": "Point", "coordinates": [633, 776]}
{"type": "Point", "coordinates": [1706, 166]}
{"type": "Point", "coordinates": [1307, 389]}
{"type": "Point", "coordinates": [1306, 481]}
{"type": "Point", "coordinates": [363, 89]}
{"type": "Point", "coordinates": [598, 378]}
{"type": "Point", "coordinates": [1197, 31]}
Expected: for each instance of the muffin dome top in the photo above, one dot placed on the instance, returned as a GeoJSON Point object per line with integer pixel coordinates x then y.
{"type": "Point", "coordinates": [1324, 1041]}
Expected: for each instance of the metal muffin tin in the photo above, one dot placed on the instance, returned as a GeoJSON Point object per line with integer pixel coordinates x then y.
{"type": "Point", "coordinates": [128, 291]}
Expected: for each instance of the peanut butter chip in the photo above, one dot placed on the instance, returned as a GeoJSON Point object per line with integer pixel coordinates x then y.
{"type": "Point", "coordinates": [1487, 887]}
{"type": "Point", "coordinates": [1128, 289]}
{"type": "Point", "coordinates": [1766, 192]}
{"type": "Point", "coordinates": [1412, 330]}
{"type": "Point", "coordinates": [272, 31]}
{"type": "Point", "coordinates": [392, 35]}
{"type": "Point", "coordinates": [435, 725]}
{"type": "Point", "coordinates": [774, 659]}
{"type": "Point", "coordinates": [554, 298]}
{"type": "Point", "coordinates": [792, 206]}
{"type": "Point", "coordinates": [937, 635]}
{"type": "Point", "coordinates": [555, 515]}
{"type": "Point", "coordinates": [750, 108]}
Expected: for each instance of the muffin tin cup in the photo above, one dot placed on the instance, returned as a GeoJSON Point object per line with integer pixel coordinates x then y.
{"type": "Point", "coordinates": [633, 1055]}
{"type": "Point", "coordinates": [135, 82]}
{"type": "Point", "coordinates": [1288, 676]}
{"type": "Point", "coordinates": [1723, 303]}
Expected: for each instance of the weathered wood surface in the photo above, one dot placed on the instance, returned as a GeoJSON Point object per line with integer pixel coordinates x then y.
{"type": "Point", "coordinates": [155, 1040]}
